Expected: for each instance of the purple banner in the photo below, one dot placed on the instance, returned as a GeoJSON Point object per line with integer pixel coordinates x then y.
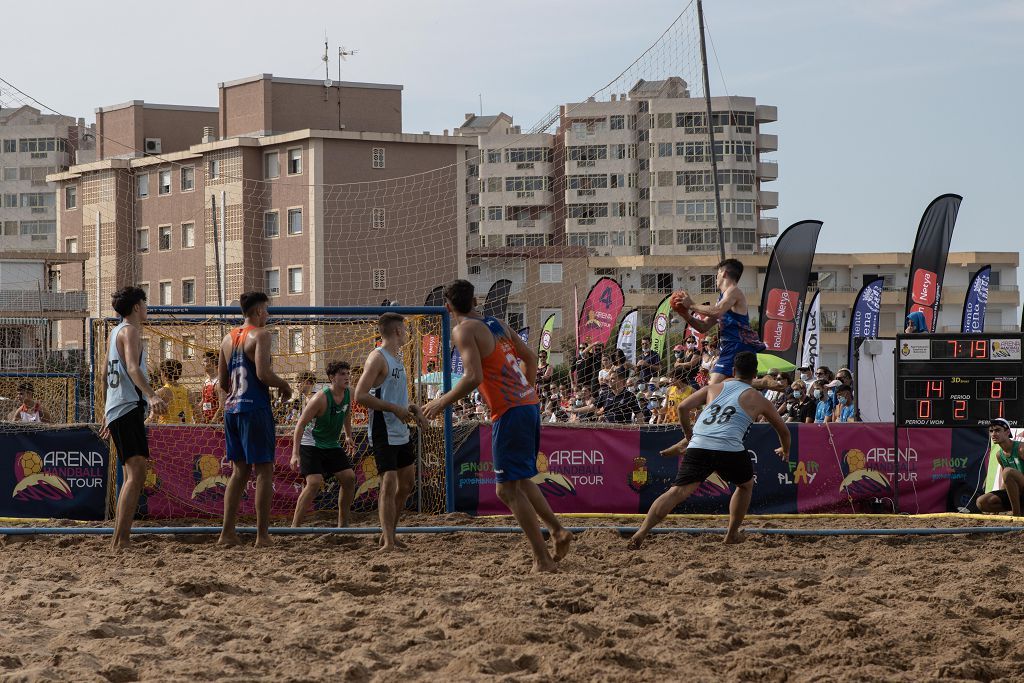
{"type": "Point", "coordinates": [973, 321]}
{"type": "Point", "coordinates": [864, 321]}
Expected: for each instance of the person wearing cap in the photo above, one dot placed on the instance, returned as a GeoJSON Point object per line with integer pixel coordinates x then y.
{"type": "Point", "coordinates": [916, 323]}
{"type": "Point", "coordinates": [1011, 460]}
{"type": "Point", "coordinates": [806, 374]}
{"type": "Point", "coordinates": [621, 405]}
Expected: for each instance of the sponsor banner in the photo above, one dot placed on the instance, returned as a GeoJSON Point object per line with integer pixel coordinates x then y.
{"type": "Point", "coordinates": [928, 261]}
{"type": "Point", "coordinates": [431, 352]}
{"type": "Point", "coordinates": [524, 334]}
{"type": "Point", "coordinates": [600, 310]}
{"type": "Point", "coordinates": [812, 334]}
{"type": "Point", "coordinates": [617, 471]}
{"type": "Point", "coordinates": [190, 482]}
{"type": "Point", "coordinates": [457, 367]}
{"type": "Point", "coordinates": [785, 289]}
{"type": "Point", "coordinates": [496, 302]}
{"type": "Point", "coordinates": [436, 297]}
{"type": "Point", "coordinates": [627, 335]}
{"type": "Point", "coordinates": [659, 325]}
{"type": "Point", "coordinates": [58, 474]}
{"type": "Point", "coordinates": [976, 302]}
{"type": "Point", "coordinates": [545, 334]}
{"type": "Point", "coordinates": [865, 317]}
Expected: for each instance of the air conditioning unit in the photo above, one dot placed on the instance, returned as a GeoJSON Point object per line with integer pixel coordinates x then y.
{"type": "Point", "coordinates": [274, 291]}
{"type": "Point", "coordinates": [153, 146]}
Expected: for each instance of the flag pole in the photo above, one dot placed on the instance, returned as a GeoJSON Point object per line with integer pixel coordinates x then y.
{"type": "Point", "coordinates": [711, 130]}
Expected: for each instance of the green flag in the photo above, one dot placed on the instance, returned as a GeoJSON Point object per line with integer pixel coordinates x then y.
{"type": "Point", "coordinates": [545, 334]}
{"type": "Point", "coordinates": [659, 326]}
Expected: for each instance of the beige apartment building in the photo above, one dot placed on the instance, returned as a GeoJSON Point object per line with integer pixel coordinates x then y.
{"type": "Point", "coordinates": [623, 178]}
{"type": "Point", "coordinates": [310, 192]}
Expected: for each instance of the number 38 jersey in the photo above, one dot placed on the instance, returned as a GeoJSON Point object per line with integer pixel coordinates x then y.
{"type": "Point", "coordinates": [248, 393]}
{"type": "Point", "coordinates": [122, 394]}
{"type": "Point", "coordinates": [722, 424]}
{"type": "Point", "coordinates": [504, 385]}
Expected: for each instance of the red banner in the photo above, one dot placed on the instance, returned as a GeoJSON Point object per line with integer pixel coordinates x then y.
{"type": "Point", "coordinates": [600, 311]}
{"type": "Point", "coordinates": [431, 351]}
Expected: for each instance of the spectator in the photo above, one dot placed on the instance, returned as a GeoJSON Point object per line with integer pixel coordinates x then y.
{"type": "Point", "coordinates": [648, 363]}
{"type": "Point", "coordinates": [799, 407]}
{"type": "Point", "coordinates": [916, 323]}
{"type": "Point", "coordinates": [806, 374]}
{"type": "Point", "coordinates": [844, 410]}
{"type": "Point", "coordinates": [824, 374]}
{"type": "Point", "coordinates": [621, 406]}
{"type": "Point", "coordinates": [583, 408]}
{"type": "Point", "coordinates": [678, 355]}
{"type": "Point", "coordinates": [678, 390]}
{"type": "Point", "coordinates": [212, 398]}
{"type": "Point", "coordinates": [29, 409]}
{"type": "Point", "coordinates": [830, 393]}
{"type": "Point", "coordinates": [821, 409]}
{"type": "Point", "coordinates": [587, 365]}
{"type": "Point", "coordinates": [606, 370]}
{"type": "Point", "coordinates": [545, 372]}
{"type": "Point", "coordinates": [845, 376]}
{"type": "Point", "coordinates": [179, 408]}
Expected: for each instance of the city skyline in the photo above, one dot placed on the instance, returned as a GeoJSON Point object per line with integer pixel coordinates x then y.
{"type": "Point", "coordinates": [811, 62]}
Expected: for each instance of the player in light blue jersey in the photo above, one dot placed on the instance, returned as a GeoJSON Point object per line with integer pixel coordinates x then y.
{"type": "Point", "coordinates": [715, 445]}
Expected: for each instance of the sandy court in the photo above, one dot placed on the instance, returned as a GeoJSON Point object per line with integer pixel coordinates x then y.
{"type": "Point", "coordinates": [461, 607]}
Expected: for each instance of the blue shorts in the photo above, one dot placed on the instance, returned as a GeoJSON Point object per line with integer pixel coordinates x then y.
{"type": "Point", "coordinates": [515, 442]}
{"type": "Point", "coordinates": [727, 357]}
{"type": "Point", "coordinates": [250, 436]}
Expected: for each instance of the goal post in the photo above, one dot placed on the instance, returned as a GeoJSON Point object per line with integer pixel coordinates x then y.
{"type": "Point", "coordinates": [188, 468]}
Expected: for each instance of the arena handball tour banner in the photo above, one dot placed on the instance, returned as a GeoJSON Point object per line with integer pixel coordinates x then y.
{"type": "Point", "coordinates": [54, 474]}
{"type": "Point", "coordinates": [976, 303]}
{"type": "Point", "coordinates": [785, 289]}
{"type": "Point", "coordinates": [928, 262]}
{"type": "Point", "coordinates": [866, 315]}
{"type": "Point", "coordinates": [846, 468]}
{"type": "Point", "coordinates": [600, 310]}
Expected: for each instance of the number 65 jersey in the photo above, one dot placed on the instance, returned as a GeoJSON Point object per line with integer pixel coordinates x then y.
{"type": "Point", "coordinates": [504, 385]}
{"type": "Point", "coordinates": [722, 424]}
{"type": "Point", "coordinates": [247, 391]}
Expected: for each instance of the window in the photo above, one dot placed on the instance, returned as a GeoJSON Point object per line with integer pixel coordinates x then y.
{"type": "Point", "coordinates": [71, 245]}
{"type": "Point", "coordinates": [665, 208]}
{"type": "Point", "coordinates": [377, 157]}
{"type": "Point", "coordinates": [142, 186]}
{"type": "Point", "coordinates": [10, 201]}
{"type": "Point", "coordinates": [165, 349]}
{"type": "Point", "coordinates": [664, 120]}
{"type": "Point", "coordinates": [11, 173]}
{"type": "Point", "coordinates": [38, 229]}
{"type": "Point", "coordinates": [214, 168]}
{"type": "Point", "coordinates": [188, 291]}
{"type": "Point", "coordinates": [494, 213]}
{"type": "Point", "coordinates": [516, 316]}
{"type": "Point", "coordinates": [10, 146]}
{"type": "Point", "coordinates": [294, 341]}
{"type": "Point", "coordinates": [378, 219]}
{"type": "Point", "coordinates": [588, 211]}
{"type": "Point", "coordinates": [271, 226]}
{"type": "Point", "coordinates": [271, 165]}
{"type": "Point", "coordinates": [379, 276]}
{"type": "Point", "coordinates": [165, 293]}
{"type": "Point", "coordinates": [142, 240]}
{"type": "Point", "coordinates": [163, 182]}
{"type": "Point", "coordinates": [71, 197]}
{"type": "Point", "coordinates": [550, 272]}
{"type": "Point", "coordinates": [707, 283]}
{"type": "Point", "coordinates": [295, 161]}
{"type": "Point", "coordinates": [275, 341]}
{"type": "Point", "coordinates": [272, 282]}
{"type": "Point", "coordinates": [295, 280]}
{"type": "Point", "coordinates": [164, 236]}
{"type": "Point", "coordinates": [523, 155]}
{"type": "Point", "coordinates": [492, 185]}
{"type": "Point", "coordinates": [661, 282]}
{"type": "Point", "coordinates": [494, 156]}
{"type": "Point", "coordinates": [617, 122]}
{"type": "Point", "coordinates": [188, 235]}
{"type": "Point", "coordinates": [42, 145]}
{"type": "Point", "coordinates": [617, 238]}
{"type": "Point", "coordinates": [294, 221]}
{"type": "Point", "coordinates": [189, 342]}
{"type": "Point", "coordinates": [38, 200]}
{"type": "Point", "coordinates": [188, 178]}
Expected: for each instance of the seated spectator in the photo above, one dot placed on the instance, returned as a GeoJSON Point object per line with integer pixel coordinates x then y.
{"type": "Point", "coordinates": [29, 409]}
{"type": "Point", "coordinates": [1011, 461]}
{"type": "Point", "coordinates": [845, 376]}
{"type": "Point", "coordinates": [845, 410]}
{"type": "Point", "coordinates": [821, 409]}
{"type": "Point", "coordinates": [824, 374]}
{"type": "Point", "coordinates": [799, 407]}
{"type": "Point", "coordinates": [678, 390]}
{"type": "Point", "coordinates": [621, 406]}
{"type": "Point", "coordinates": [179, 407]}
{"type": "Point", "coordinates": [583, 407]}
{"type": "Point", "coordinates": [830, 393]}
{"type": "Point", "coordinates": [806, 374]}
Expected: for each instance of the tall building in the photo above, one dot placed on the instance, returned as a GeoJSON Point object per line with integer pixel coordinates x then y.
{"type": "Point", "coordinates": [629, 177]}
{"type": "Point", "coordinates": [35, 145]}
{"type": "Point", "coordinates": [307, 191]}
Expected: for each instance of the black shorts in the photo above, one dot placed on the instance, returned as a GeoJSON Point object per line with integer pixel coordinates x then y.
{"type": "Point", "coordinates": [699, 463]}
{"type": "Point", "coordinates": [325, 461]}
{"type": "Point", "coordinates": [391, 458]}
{"type": "Point", "coordinates": [1004, 498]}
{"type": "Point", "coordinates": [129, 434]}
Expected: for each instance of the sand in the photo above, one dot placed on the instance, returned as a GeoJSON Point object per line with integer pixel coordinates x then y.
{"type": "Point", "coordinates": [463, 607]}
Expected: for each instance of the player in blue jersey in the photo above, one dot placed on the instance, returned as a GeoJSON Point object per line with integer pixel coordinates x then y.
{"type": "Point", "coordinates": [247, 373]}
{"type": "Point", "coordinates": [715, 445]}
{"type": "Point", "coordinates": [127, 392]}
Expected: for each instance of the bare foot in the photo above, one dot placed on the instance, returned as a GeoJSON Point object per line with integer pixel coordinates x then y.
{"type": "Point", "coordinates": [401, 545]}
{"type": "Point", "coordinates": [387, 548]}
{"type": "Point", "coordinates": [229, 538]}
{"type": "Point", "coordinates": [120, 543]}
{"type": "Point", "coordinates": [737, 537]}
{"type": "Point", "coordinates": [674, 451]}
{"type": "Point", "coordinates": [544, 565]}
{"type": "Point", "coordinates": [263, 541]}
{"type": "Point", "coordinates": [635, 543]}
{"type": "Point", "coordinates": [563, 539]}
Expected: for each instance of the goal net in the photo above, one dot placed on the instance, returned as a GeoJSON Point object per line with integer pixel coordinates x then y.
{"type": "Point", "coordinates": [188, 469]}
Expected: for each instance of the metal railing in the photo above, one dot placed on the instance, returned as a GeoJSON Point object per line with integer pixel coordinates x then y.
{"type": "Point", "coordinates": [18, 300]}
{"type": "Point", "coordinates": [38, 360]}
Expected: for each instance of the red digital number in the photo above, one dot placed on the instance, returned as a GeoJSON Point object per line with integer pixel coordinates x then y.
{"type": "Point", "coordinates": [997, 389]}
{"type": "Point", "coordinates": [959, 410]}
{"type": "Point", "coordinates": [934, 389]}
{"type": "Point", "coordinates": [924, 410]}
{"type": "Point", "coordinates": [979, 348]}
{"type": "Point", "coordinates": [956, 348]}
{"type": "Point", "coordinates": [999, 409]}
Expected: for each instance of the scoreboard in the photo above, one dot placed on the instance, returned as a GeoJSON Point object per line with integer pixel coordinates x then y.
{"type": "Point", "coordinates": [958, 380]}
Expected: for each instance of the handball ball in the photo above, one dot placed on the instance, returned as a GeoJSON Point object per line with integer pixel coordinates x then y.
{"type": "Point", "coordinates": [30, 463]}
{"type": "Point", "coordinates": [676, 302]}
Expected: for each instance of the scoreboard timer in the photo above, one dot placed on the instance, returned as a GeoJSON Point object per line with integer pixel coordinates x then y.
{"type": "Point", "coordinates": [958, 380]}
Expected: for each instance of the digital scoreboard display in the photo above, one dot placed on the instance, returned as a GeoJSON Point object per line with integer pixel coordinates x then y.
{"type": "Point", "coordinates": [958, 380]}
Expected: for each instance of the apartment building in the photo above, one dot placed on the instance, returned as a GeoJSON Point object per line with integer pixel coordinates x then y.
{"type": "Point", "coordinates": [310, 192]}
{"type": "Point", "coordinates": [630, 176]}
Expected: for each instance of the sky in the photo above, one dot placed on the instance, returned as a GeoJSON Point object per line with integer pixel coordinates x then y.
{"type": "Point", "coordinates": [883, 104]}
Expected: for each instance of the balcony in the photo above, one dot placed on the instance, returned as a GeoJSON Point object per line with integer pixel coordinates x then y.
{"type": "Point", "coordinates": [38, 360]}
{"type": "Point", "coordinates": [767, 199]}
{"type": "Point", "coordinates": [767, 227]}
{"type": "Point", "coordinates": [767, 113]}
{"type": "Point", "coordinates": [767, 170]}
{"type": "Point", "coordinates": [35, 302]}
{"type": "Point", "coordinates": [767, 142]}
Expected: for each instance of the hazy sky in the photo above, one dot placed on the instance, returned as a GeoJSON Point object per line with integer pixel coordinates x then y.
{"type": "Point", "coordinates": [883, 104]}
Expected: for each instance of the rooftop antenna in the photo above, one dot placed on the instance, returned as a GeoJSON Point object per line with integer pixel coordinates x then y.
{"type": "Point", "coordinates": [343, 54]}
{"type": "Point", "coordinates": [327, 69]}
{"type": "Point", "coordinates": [481, 96]}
